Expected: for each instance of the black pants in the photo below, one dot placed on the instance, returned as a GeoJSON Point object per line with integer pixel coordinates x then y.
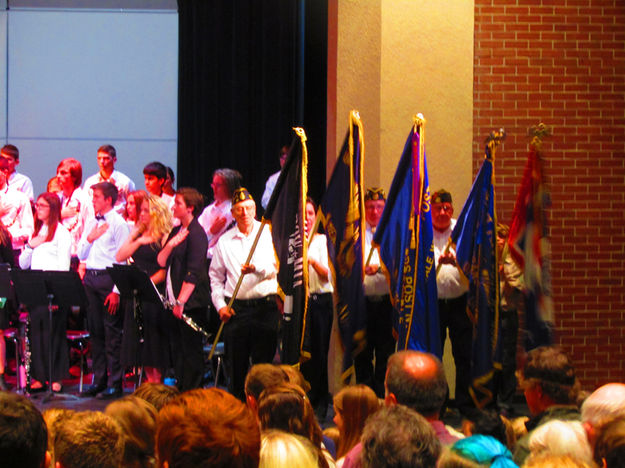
{"type": "Point", "coordinates": [105, 330]}
{"type": "Point", "coordinates": [315, 370]}
{"type": "Point", "coordinates": [189, 351]}
{"type": "Point", "coordinates": [250, 335]}
{"type": "Point", "coordinates": [506, 389]}
{"type": "Point", "coordinates": [453, 315]}
{"type": "Point", "coordinates": [40, 343]}
{"type": "Point", "coordinates": [380, 344]}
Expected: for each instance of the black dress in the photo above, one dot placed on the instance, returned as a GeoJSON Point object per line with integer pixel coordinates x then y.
{"type": "Point", "coordinates": [157, 322]}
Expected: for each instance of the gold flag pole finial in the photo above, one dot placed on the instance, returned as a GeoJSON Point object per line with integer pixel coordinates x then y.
{"type": "Point", "coordinates": [538, 133]}
{"type": "Point", "coordinates": [419, 120]}
{"type": "Point", "coordinates": [493, 140]}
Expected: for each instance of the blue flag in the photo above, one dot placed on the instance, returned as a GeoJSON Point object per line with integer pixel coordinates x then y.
{"type": "Point", "coordinates": [342, 215]}
{"type": "Point", "coordinates": [405, 239]}
{"type": "Point", "coordinates": [474, 239]}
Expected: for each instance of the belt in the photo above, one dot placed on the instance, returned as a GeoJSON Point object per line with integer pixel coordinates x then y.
{"type": "Point", "coordinates": [253, 302]}
{"type": "Point", "coordinates": [377, 298]}
{"type": "Point", "coordinates": [96, 272]}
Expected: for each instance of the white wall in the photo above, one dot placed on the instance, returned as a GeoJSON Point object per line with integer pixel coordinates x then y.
{"type": "Point", "coordinates": [79, 79]}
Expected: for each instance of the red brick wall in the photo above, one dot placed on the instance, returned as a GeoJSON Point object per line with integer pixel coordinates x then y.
{"type": "Point", "coordinates": [562, 62]}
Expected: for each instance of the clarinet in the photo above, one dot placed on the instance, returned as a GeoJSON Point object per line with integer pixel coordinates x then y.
{"type": "Point", "coordinates": [26, 356]}
{"type": "Point", "coordinates": [186, 319]}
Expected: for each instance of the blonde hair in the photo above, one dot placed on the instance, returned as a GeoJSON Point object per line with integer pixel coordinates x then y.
{"type": "Point", "coordinates": [549, 460]}
{"type": "Point", "coordinates": [161, 222]}
{"type": "Point", "coordinates": [279, 449]}
{"type": "Point", "coordinates": [561, 438]}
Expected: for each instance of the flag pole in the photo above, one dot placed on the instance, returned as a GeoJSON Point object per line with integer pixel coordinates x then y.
{"type": "Point", "coordinates": [238, 286]}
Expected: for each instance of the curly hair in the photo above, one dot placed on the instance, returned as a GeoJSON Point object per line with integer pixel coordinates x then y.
{"type": "Point", "coordinates": [161, 221]}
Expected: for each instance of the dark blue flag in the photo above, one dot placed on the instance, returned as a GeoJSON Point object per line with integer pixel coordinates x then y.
{"type": "Point", "coordinates": [405, 239]}
{"type": "Point", "coordinates": [342, 214]}
{"type": "Point", "coordinates": [474, 240]}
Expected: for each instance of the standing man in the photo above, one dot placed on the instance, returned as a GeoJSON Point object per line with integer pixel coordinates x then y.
{"type": "Point", "coordinates": [16, 181]}
{"type": "Point", "coordinates": [107, 157]}
{"type": "Point", "coordinates": [103, 236]}
{"type": "Point", "coordinates": [452, 298]}
{"type": "Point", "coordinates": [273, 178]}
{"type": "Point", "coordinates": [251, 330]}
{"type": "Point", "coordinates": [380, 341]}
{"type": "Point", "coordinates": [15, 211]}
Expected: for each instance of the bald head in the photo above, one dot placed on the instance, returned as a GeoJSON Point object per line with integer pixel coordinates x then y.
{"type": "Point", "coordinates": [417, 380]}
{"type": "Point", "coordinates": [606, 402]}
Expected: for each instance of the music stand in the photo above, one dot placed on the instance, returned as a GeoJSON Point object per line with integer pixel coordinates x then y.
{"type": "Point", "coordinates": [49, 288]}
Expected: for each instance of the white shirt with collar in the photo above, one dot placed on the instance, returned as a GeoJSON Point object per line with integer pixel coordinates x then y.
{"type": "Point", "coordinates": [208, 217]}
{"type": "Point", "coordinates": [318, 251]}
{"type": "Point", "coordinates": [100, 253]}
{"type": "Point", "coordinates": [76, 224]}
{"type": "Point", "coordinates": [269, 186]}
{"type": "Point", "coordinates": [230, 254]}
{"type": "Point", "coordinates": [448, 281]}
{"type": "Point", "coordinates": [21, 183]}
{"type": "Point", "coordinates": [375, 285]}
{"type": "Point", "coordinates": [53, 255]}
{"type": "Point", "coordinates": [123, 183]}
{"type": "Point", "coordinates": [16, 215]}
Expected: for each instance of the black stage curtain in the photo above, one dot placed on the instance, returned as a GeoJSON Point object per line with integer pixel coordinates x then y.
{"type": "Point", "coordinates": [241, 88]}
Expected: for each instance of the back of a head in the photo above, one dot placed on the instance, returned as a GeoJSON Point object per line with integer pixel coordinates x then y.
{"type": "Point", "coordinates": [137, 420]}
{"type": "Point", "coordinates": [485, 451]}
{"type": "Point", "coordinates": [286, 407]}
{"type": "Point", "coordinates": [398, 437]}
{"type": "Point", "coordinates": [488, 422]}
{"type": "Point", "coordinates": [207, 427]}
{"type": "Point", "coordinates": [549, 460]}
{"type": "Point", "coordinates": [89, 439]}
{"type": "Point", "coordinates": [561, 438]}
{"type": "Point", "coordinates": [280, 449]}
{"type": "Point", "coordinates": [553, 370]}
{"type": "Point", "coordinates": [610, 444]}
{"type": "Point", "coordinates": [605, 403]}
{"type": "Point", "coordinates": [157, 394]}
{"type": "Point", "coordinates": [418, 381]}
{"type": "Point", "coordinates": [262, 376]}
{"type": "Point", "coordinates": [23, 433]}
{"type": "Point", "coordinates": [354, 403]}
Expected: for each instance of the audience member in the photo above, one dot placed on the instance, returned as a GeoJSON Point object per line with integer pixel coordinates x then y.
{"type": "Point", "coordinates": [260, 377]}
{"type": "Point", "coordinates": [107, 157]}
{"type": "Point", "coordinates": [295, 376]}
{"type": "Point", "coordinates": [550, 386]}
{"type": "Point", "coordinates": [548, 460]}
{"type": "Point", "coordinates": [184, 256]}
{"type": "Point", "coordinates": [55, 418]}
{"type": "Point", "coordinates": [137, 421]}
{"type": "Point", "coordinates": [273, 178]}
{"type": "Point", "coordinates": [610, 444]}
{"type": "Point", "coordinates": [104, 234]}
{"type": "Point", "coordinates": [477, 451]}
{"type": "Point", "coordinates": [157, 394]}
{"type": "Point", "coordinates": [380, 341]}
{"type": "Point", "coordinates": [88, 439]}
{"type": "Point", "coordinates": [279, 449]}
{"type": "Point", "coordinates": [49, 248]}
{"type": "Point", "coordinates": [561, 438]}
{"type": "Point", "coordinates": [319, 315]}
{"type": "Point", "coordinates": [486, 422]}
{"type": "Point", "coordinates": [207, 427]}
{"type": "Point", "coordinates": [251, 324]}
{"type": "Point", "coordinates": [352, 406]}
{"type": "Point", "coordinates": [23, 433]}
{"type": "Point", "coordinates": [398, 437]}
{"type": "Point", "coordinates": [16, 181]}
{"type": "Point", "coordinates": [605, 403]}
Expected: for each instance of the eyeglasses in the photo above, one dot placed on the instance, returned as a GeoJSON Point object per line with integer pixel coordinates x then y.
{"type": "Point", "coordinates": [41, 205]}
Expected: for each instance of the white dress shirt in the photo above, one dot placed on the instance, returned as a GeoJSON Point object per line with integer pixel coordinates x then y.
{"type": "Point", "coordinates": [123, 183]}
{"type": "Point", "coordinates": [21, 183]}
{"type": "Point", "coordinates": [16, 215]}
{"type": "Point", "coordinates": [76, 224]}
{"type": "Point", "coordinates": [230, 254]}
{"type": "Point", "coordinates": [100, 253]}
{"type": "Point", "coordinates": [448, 280]}
{"type": "Point", "coordinates": [318, 251]}
{"type": "Point", "coordinates": [53, 255]}
{"type": "Point", "coordinates": [375, 285]}
{"type": "Point", "coordinates": [269, 186]}
{"type": "Point", "coordinates": [208, 217]}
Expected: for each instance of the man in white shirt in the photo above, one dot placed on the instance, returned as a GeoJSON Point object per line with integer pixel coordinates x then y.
{"type": "Point", "coordinates": [273, 178]}
{"type": "Point", "coordinates": [452, 298]}
{"type": "Point", "coordinates": [16, 180]}
{"type": "Point", "coordinates": [104, 234]}
{"type": "Point", "coordinates": [15, 211]}
{"type": "Point", "coordinates": [380, 341]}
{"type": "Point", "coordinates": [251, 329]}
{"type": "Point", "coordinates": [107, 157]}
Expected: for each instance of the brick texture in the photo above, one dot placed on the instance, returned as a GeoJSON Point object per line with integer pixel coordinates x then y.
{"type": "Point", "coordinates": [562, 63]}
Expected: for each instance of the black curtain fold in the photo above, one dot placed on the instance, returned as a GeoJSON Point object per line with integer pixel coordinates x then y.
{"type": "Point", "coordinates": [239, 82]}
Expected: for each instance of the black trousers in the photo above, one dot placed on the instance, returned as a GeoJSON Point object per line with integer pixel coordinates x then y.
{"type": "Point", "coordinates": [315, 370]}
{"type": "Point", "coordinates": [380, 344]}
{"type": "Point", "coordinates": [105, 329]}
{"type": "Point", "coordinates": [40, 344]}
{"type": "Point", "coordinates": [251, 335]}
{"type": "Point", "coordinates": [189, 351]}
{"type": "Point", "coordinates": [453, 316]}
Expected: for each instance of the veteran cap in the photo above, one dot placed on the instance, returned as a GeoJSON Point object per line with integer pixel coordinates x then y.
{"type": "Point", "coordinates": [375, 193]}
{"type": "Point", "coordinates": [441, 196]}
{"type": "Point", "coordinates": [241, 194]}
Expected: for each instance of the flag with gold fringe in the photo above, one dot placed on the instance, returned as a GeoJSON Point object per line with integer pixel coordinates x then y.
{"type": "Point", "coordinates": [341, 213]}
{"type": "Point", "coordinates": [474, 240]}
{"type": "Point", "coordinates": [405, 239]}
{"type": "Point", "coordinates": [286, 213]}
{"type": "Point", "coordinates": [530, 247]}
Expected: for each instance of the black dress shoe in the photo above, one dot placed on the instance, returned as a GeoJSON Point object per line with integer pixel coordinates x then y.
{"type": "Point", "coordinates": [110, 393]}
{"type": "Point", "coordinates": [92, 391]}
